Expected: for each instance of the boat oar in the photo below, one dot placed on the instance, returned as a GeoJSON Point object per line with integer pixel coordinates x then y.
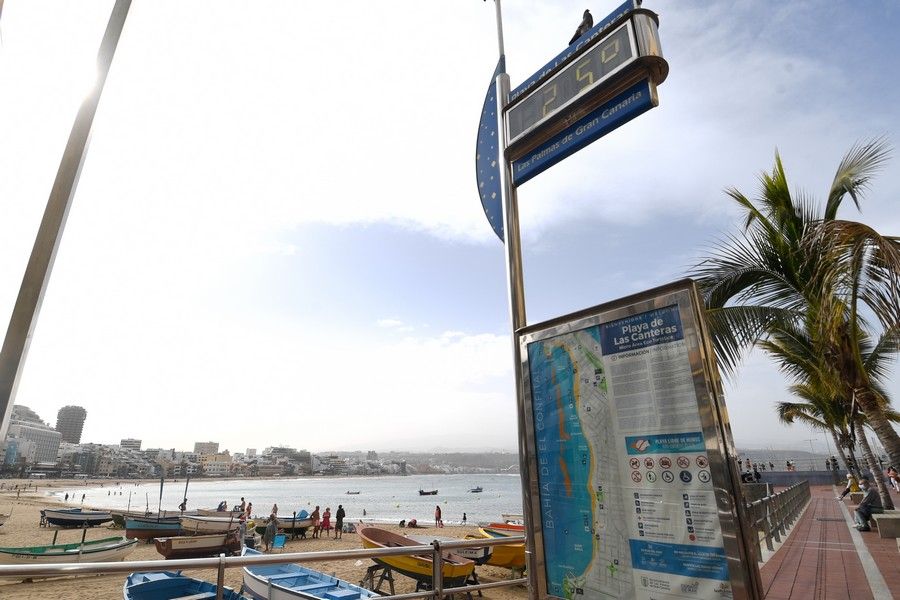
{"type": "Point", "coordinates": [294, 525]}
{"type": "Point", "coordinates": [129, 502]}
{"type": "Point", "coordinates": [55, 533]}
{"type": "Point", "coordinates": [159, 507]}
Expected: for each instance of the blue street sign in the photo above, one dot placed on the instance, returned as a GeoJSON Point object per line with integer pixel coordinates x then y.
{"type": "Point", "coordinates": [592, 34]}
{"type": "Point", "coordinates": [487, 169]}
{"type": "Point", "coordinates": [631, 103]}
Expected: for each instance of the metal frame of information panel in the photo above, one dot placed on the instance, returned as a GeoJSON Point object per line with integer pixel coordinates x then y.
{"type": "Point", "coordinates": [740, 552]}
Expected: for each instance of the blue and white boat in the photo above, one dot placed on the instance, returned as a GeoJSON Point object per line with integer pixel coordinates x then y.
{"type": "Point", "coordinates": [147, 529]}
{"type": "Point", "coordinates": [166, 585]}
{"type": "Point", "coordinates": [291, 581]}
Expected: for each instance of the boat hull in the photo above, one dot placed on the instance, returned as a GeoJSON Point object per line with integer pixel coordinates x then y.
{"type": "Point", "coordinates": [428, 493]}
{"type": "Point", "coordinates": [456, 570]}
{"type": "Point", "coordinates": [168, 584]}
{"type": "Point", "coordinates": [288, 526]}
{"type": "Point", "coordinates": [508, 556]}
{"type": "Point", "coordinates": [292, 581]}
{"type": "Point", "coordinates": [144, 529]}
{"type": "Point", "coordinates": [197, 546]}
{"type": "Point", "coordinates": [76, 517]}
{"type": "Point", "coordinates": [105, 550]}
{"type": "Point", "coordinates": [201, 525]}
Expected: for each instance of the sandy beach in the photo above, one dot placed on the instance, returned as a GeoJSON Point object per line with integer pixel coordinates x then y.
{"type": "Point", "coordinates": [22, 529]}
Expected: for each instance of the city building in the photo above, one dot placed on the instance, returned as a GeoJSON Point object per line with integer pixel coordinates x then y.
{"type": "Point", "coordinates": [23, 413]}
{"type": "Point", "coordinates": [46, 440]}
{"type": "Point", "coordinates": [206, 447]}
{"type": "Point", "coordinates": [130, 444]}
{"type": "Point", "coordinates": [70, 422]}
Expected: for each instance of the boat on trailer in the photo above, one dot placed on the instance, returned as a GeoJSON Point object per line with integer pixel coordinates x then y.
{"type": "Point", "coordinates": [455, 571]}
{"type": "Point", "coordinates": [291, 581]}
{"type": "Point", "coordinates": [166, 585]}
{"type": "Point", "coordinates": [106, 550]}
{"type": "Point", "coordinates": [75, 517]}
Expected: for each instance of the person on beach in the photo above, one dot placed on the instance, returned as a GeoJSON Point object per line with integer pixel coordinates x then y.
{"type": "Point", "coordinates": [183, 506]}
{"type": "Point", "coordinates": [870, 503]}
{"type": "Point", "coordinates": [67, 496]}
{"type": "Point", "coordinates": [242, 529]}
{"type": "Point", "coordinates": [249, 511]}
{"type": "Point", "coordinates": [315, 522]}
{"type": "Point", "coordinates": [339, 522]}
{"type": "Point", "coordinates": [464, 518]}
{"type": "Point", "coordinates": [437, 516]}
{"type": "Point", "coordinates": [326, 520]}
{"type": "Point", "coordinates": [269, 535]}
{"type": "Point", "coordinates": [243, 505]}
{"type": "Point", "coordinates": [275, 510]}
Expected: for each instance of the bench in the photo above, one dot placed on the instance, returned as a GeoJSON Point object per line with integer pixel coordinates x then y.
{"type": "Point", "coordinates": [312, 586]}
{"type": "Point", "coordinates": [200, 596]}
{"type": "Point", "coordinates": [888, 524]}
{"type": "Point", "coordinates": [856, 497]}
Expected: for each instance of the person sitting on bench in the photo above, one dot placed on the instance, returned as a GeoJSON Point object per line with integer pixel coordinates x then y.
{"type": "Point", "coordinates": [871, 503]}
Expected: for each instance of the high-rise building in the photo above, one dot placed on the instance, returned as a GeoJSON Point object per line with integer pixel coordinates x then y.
{"type": "Point", "coordinates": [23, 413]}
{"type": "Point", "coordinates": [206, 447]}
{"type": "Point", "coordinates": [130, 444]}
{"type": "Point", "coordinates": [45, 438]}
{"type": "Point", "coordinates": [70, 422]}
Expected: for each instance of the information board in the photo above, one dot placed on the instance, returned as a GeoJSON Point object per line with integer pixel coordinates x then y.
{"type": "Point", "coordinates": [631, 489]}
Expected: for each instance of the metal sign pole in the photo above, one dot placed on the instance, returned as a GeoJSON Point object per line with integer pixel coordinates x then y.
{"type": "Point", "coordinates": [37, 273]}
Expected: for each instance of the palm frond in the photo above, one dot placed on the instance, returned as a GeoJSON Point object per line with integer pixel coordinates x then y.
{"type": "Point", "coordinates": [855, 172]}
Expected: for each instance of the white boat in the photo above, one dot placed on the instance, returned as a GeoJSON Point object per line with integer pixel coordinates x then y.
{"type": "Point", "coordinates": [105, 550]}
{"type": "Point", "coordinates": [209, 524]}
{"type": "Point", "coordinates": [211, 512]}
{"type": "Point", "coordinates": [76, 517]}
{"type": "Point", "coordinates": [479, 555]}
{"type": "Point", "coordinates": [292, 582]}
{"type": "Point", "coordinates": [195, 546]}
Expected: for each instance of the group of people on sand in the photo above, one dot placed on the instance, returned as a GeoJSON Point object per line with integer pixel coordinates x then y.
{"type": "Point", "coordinates": [321, 521]}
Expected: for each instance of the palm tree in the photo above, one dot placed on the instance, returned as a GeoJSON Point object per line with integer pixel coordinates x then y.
{"type": "Point", "coordinates": [795, 266]}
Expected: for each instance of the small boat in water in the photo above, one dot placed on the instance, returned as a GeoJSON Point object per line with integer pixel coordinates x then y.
{"type": "Point", "coordinates": [198, 546]}
{"type": "Point", "coordinates": [476, 490]}
{"type": "Point", "coordinates": [198, 525]}
{"type": "Point", "coordinates": [428, 493]}
{"type": "Point", "coordinates": [147, 529]}
{"type": "Point", "coordinates": [106, 550]}
{"type": "Point", "coordinates": [356, 493]}
{"type": "Point", "coordinates": [165, 585]}
{"type": "Point", "coordinates": [75, 517]}
{"type": "Point", "coordinates": [292, 581]}
{"type": "Point", "coordinates": [455, 571]}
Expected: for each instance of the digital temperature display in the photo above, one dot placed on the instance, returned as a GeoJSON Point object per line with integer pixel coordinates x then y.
{"type": "Point", "coordinates": [584, 73]}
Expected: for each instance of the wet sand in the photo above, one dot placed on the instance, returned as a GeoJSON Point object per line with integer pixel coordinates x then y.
{"type": "Point", "coordinates": [22, 529]}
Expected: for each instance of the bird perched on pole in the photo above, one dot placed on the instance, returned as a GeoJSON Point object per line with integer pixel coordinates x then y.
{"type": "Point", "coordinates": [586, 23]}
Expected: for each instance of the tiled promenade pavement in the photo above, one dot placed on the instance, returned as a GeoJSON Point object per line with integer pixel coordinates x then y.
{"type": "Point", "coordinates": [819, 559]}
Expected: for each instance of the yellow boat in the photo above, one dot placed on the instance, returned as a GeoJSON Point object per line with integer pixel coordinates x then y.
{"type": "Point", "coordinates": [511, 556]}
{"type": "Point", "coordinates": [456, 569]}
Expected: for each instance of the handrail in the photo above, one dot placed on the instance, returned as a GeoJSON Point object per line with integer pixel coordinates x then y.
{"type": "Point", "coordinates": [220, 563]}
{"type": "Point", "coordinates": [771, 516]}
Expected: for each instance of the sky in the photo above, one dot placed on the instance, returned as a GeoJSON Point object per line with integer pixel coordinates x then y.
{"type": "Point", "coordinates": [277, 236]}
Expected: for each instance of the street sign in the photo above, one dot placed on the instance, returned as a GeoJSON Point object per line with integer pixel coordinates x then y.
{"type": "Point", "coordinates": [618, 53]}
{"type": "Point", "coordinates": [634, 101]}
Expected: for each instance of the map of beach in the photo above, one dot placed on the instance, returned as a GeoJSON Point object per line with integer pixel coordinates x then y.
{"type": "Point", "coordinates": [626, 502]}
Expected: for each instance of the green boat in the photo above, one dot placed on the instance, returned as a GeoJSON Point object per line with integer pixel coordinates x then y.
{"type": "Point", "coordinates": [110, 549]}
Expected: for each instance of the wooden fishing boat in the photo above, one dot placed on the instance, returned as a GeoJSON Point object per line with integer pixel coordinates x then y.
{"type": "Point", "coordinates": [479, 555]}
{"type": "Point", "coordinates": [147, 529]}
{"type": "Point", "coordinates": [352, 493]}
{"type": "Point", "coordinates": [428, 493]}
{"type": "Point", "coordinates": [508, 528]}
{"type": "Point", "coordinates": [292, 581]}
{"type": "Point", "coordinates": [198, 525]}
{"type": "Point", "coordinates": [119, 516]}
{"type": "Point", "coordinates": [456, 569]}
{"type": "Point", "coordinates": [212, 512]}
{"type": "Point", "coordinates": [286, 525]}
{"type": "Point", "coordinates": [476, 490]}
{"type": "Point", "coordinates": [163, 585]}
{"type": "Point", "coordinates": [509, 556]}
{"type": "Point", "coordinates": [106, 550]}
{"type": "Point", "coordinates": [198, 546]}
{"type": "Point", "coordinates": [75, 517]}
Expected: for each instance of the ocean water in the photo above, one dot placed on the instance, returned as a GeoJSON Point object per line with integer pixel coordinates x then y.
{"type": "Point", "coordinates": [385, 499]}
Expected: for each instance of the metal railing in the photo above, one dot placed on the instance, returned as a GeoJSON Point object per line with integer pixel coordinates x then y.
{"type": "Point", "coordinates": [223, 562]}
{"type": "Point", "coordinates": [773, 515]}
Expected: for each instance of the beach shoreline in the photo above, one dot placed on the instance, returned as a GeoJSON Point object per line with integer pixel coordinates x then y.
{"type": "Point", "coordinates": [23, 529]}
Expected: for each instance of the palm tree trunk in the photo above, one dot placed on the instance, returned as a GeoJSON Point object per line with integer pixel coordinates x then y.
{"type": "Point", "coordinates": [851, 459]}
{"type": "Point", "coordinates": [886, 501]}
{"type": "Point", "coordinates": [877, 420]}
